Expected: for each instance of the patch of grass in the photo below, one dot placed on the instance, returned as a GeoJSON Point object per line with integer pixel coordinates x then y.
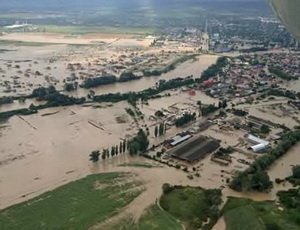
{"type": "Point", "coordinates": [155, 219]}
{"type": "Point", "coordinates": [193, 206]}
{"type": "Point", "coordinates": [77, 205]}
{"type": "Point", "coordinates": [248, 215]}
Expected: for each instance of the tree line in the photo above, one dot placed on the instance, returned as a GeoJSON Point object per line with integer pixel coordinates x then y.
{"type": "Point", "coordinates": [184, 119]}
{"type": "Point", "coordinates": [108, 79]}
{"type": "Point", "coordinates": [214, 69]}
{"type": "Point", "coordinates": [160, 130]}
{"type": "Point", "coordinates": [96, 155]}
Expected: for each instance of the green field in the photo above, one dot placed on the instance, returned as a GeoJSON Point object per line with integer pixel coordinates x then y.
{"type": "Point", "coordinates": [153, 218]}
{"type": "Point", "coordinates": [77, 205]}
{"type": "Point", "coordinates": [193, 206]}
{"type": "Point", "coordinates": [248, 215]}
{"type": "Point", "coordinates": [156, 219]}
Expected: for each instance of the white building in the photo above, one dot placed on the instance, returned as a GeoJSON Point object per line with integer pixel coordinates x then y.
{"type": "Point", "coordinates": [259, 144]}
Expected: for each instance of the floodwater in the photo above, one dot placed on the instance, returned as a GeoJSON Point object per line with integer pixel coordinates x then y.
{"type": "Point", "coordinates": [194, 68]}
{"type": "Point", "coordinates": [44, 150]}
{"type": "Point", "coordinates": [282, 168]}
{"type": "Point", "coordinates": [38, 152]}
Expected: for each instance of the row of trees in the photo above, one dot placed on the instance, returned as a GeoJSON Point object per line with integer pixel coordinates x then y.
{"type": "Point", "coordinates": [70, 86]}
{"type": "Point", "coordinates": [6, 100]}
{"type": "Point", "coordinates": [169, 67]}
{"type": "Point", "coordinates": [284, 93]}
{"type": "Point", "coordinates": [146, 94]}
{"type": "Point", "coordinates": [96, 155]}
{"type": "Point", "coordinates": [208, 109]}
{"type": "Point", "coordinates": [108, 79]}
{"type": "Point", "coordinates": [186, 118]}
{"type": "Point", "coordinates": [255, 177]}
{"type": "Point", "coordinates": [160, 130]}
{"type": "Point", "coordinates": [279, 73]}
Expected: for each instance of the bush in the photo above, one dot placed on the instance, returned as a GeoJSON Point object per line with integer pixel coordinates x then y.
{"type": "Point", "coordinates": [167, 188]}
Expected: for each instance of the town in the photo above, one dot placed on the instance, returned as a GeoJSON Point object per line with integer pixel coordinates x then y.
{"type": "Point", "coordinates": [181, 127]}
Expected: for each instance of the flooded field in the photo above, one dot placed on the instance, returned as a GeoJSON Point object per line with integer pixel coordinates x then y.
{"type": "Point", "coordinates": [283, 168]}
{"type": "Point", "coordinates": [42, 150]}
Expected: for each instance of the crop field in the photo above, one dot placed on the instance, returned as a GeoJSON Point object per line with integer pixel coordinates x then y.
{"type": "Point", "coordinates": [77, 205]}
{"type": "Point", "coordinates": [248, 215]}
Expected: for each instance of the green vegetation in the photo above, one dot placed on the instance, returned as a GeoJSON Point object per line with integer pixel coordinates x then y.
{"type": "Point", "coordinates": [128, 76]}
{"type": "Point", "coordinates": [208, 109]}
{"type": "Point", "coordinates": [295, 177]}
{"type": "Point", "coordinates": [264, 129]}
{"type": "Point", "coordinates": [249, 215]}
{"type": "Point", "coordinates": [155, 218]}
{"type": "Point", "coordinates": [97, 81]}
{"type": "Point", "coordinates": [239, 112]}
{"type": "Point", "coordinates": [283, 93]}
{"type": "Point", "coordinates": [169, 67]}
{"type": "Point", "coordinates": [255, 178]}
{"type": "Point", "coordinates": [6, 100]}
{"type": "Point", "coordinates": [23, 112]}
{"type": "Point", "coordinates": [192, 206]}
{"type": "Point", "coordinates": [147, 93]}
{"type": "Point", "coordinates": [279, 73]}
{"type": "Point", "coordinates": [70, 86]}
{"type": "Point", "coordinates": [214, 70]}
{"type": "Point", "coordinates": [159, 130]}
{"type": "Point", "coordinates": [138, 144]}
{"type": "Point", "coordinates": [184, 119]}
{"type": "Point", "coordinates": [130, 112]}
{"type": "Point", "coordinates": [94, 156]}
{"type": "Point", "coordinates": [77, 205]}
{"type": "Point", "coordinates": [291, 200]}
{"type": "Point", "coordinates": [53, 98]}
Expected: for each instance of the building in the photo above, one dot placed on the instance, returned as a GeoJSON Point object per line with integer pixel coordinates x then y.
{"type": "Point", "coordinates": [259, 145]}
{"type": "Point", "coordinates": [195, 149]}
{"type": "Point", "coordinates": [179, 139]}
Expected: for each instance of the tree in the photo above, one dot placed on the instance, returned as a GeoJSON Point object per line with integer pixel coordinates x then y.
{"type": "Point", "coordinates": [103, 155]}
{"type": "Point", "coordinates": [124, 146]}
{"type": "Point", "coordinates": [296, 171]}
{"type": "Point", "coordinates": [265, 129]}
{"type": "Point", "coordinates": [94, 156]}
{"type": "Point", "coordinates": [139, 143]}
{"type": "Point", "coordinates": [121, 147]}
{"type": "Point", "coordinates": [117, 150]}
{"type": "Point", "coordinates": [112, 151]}
{"type": "Point", "coordinates": [156, 131]}
{"type": "Point", "coordinates": [161, 129]}
{"type": "Point", "coordinates": [107, 153]}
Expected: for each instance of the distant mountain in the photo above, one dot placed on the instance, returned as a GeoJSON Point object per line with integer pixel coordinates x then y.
{"type": "Point", "coordinates": [79, 4]}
